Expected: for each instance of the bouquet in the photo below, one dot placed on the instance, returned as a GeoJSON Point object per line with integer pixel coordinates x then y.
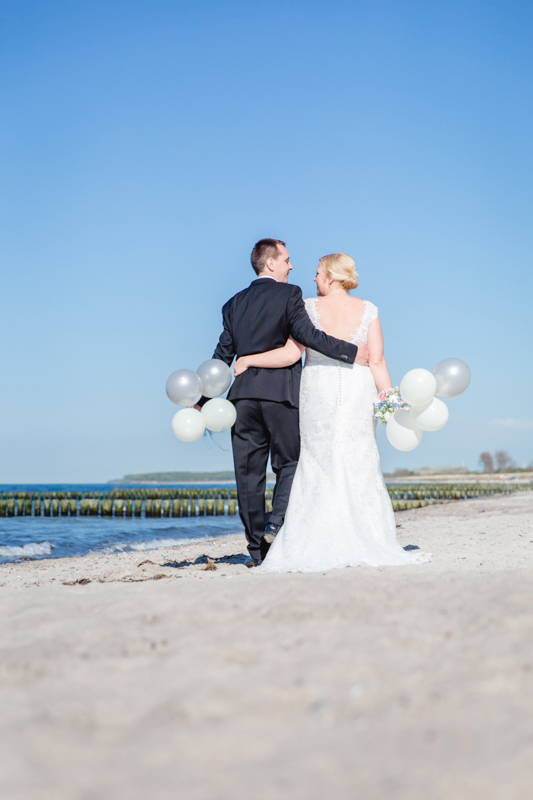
{"type": "Point", "coordinates": [387, 403]}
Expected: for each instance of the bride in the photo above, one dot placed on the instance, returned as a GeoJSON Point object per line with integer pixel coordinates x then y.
{"type": "Point", "coordinates": [339, 512]}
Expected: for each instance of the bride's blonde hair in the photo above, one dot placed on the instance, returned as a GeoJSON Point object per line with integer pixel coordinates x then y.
{"type": "Point", "coordinates": [341, 267]}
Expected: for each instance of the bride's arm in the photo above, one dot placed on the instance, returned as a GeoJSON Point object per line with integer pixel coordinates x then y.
{"type": "Point", "coordinates": [284, 356]}
{"type": "Point", "coordinates": [376, 357]}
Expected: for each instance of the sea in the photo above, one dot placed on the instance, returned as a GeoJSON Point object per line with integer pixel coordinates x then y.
{"type": "Point", "coordinates": [34, 538]}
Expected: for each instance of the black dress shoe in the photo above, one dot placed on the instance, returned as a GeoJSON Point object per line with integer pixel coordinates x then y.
{"type": "Point", "coordinates": [271, 531]}
{"type": "Point", "coordinates": [252, 562]}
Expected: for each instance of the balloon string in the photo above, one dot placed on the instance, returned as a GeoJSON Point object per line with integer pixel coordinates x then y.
{"type": "Point", "coordinates": [212, 438]}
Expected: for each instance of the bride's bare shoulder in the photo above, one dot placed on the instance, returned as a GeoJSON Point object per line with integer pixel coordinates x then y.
{"type": "Point", "coordinates": [358, 305]}
{"type": "Point", "coordinates": [361, 302]}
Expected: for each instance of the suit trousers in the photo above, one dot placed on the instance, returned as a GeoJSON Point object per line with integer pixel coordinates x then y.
{"type": "Point", "coordinates": [263, 427]}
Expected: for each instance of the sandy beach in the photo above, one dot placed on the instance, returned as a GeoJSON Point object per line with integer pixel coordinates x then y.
{"type": "Point", "coordinates": [179, 673]}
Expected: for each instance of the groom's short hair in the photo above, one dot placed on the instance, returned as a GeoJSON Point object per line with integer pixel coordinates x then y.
{"type": "Point", "coordinates": [263, 250]}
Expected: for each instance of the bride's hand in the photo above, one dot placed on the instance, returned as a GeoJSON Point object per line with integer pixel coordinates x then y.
{"type": "Point", "coordinates": [240, 366]}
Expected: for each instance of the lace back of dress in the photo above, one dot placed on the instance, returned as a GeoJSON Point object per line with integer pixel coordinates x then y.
{"type": "Point", "coordinates": [370, 313]}
{"type": "Point", "coordinates": [360, 336]}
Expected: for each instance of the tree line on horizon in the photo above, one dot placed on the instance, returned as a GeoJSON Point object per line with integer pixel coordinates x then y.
{"type": "Point", "coordinates": [181, 477]}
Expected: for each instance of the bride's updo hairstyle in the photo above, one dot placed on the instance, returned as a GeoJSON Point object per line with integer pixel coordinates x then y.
{"type": "Point", "coordinates": [340, 267]}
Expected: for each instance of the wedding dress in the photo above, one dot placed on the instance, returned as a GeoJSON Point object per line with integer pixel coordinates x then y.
{"type": "Point", "coordinates": [339, 512]}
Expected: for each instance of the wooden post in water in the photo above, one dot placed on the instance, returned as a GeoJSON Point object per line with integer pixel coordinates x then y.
{"type": "Point", "coordinates": [232, 507]}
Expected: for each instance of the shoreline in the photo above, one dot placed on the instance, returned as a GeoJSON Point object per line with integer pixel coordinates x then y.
{"type": "Point", "coordinates": [167, 561]}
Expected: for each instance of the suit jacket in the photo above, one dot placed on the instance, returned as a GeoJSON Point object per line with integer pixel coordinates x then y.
{"type": "Point", "coordinates": [262, 317]}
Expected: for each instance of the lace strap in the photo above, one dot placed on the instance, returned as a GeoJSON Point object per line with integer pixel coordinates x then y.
{"type": "Point", "coordinates": [370, 313]}
{"type": "Point", "coordinates": [312, 310]}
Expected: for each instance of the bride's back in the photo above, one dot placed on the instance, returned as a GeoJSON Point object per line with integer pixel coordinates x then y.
{"type": "Point", "coordinates": [340, 314]}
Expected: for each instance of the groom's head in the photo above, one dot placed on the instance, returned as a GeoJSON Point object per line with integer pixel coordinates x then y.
{"type": "Point", "coordinates": [270, 257]}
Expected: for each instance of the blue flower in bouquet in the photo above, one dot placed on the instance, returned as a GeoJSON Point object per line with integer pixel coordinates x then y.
{"type": "Point", "coordinates": [388, 403]}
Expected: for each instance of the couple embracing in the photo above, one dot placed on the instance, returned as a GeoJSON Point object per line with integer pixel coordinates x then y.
{"type": "Point", "coordinates": [330, 505]}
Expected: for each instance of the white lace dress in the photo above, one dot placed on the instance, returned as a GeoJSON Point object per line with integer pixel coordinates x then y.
{"type": "Point", "coordinates": [339, 512]}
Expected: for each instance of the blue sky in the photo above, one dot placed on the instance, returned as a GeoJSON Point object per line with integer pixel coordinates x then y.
{"type": "Point", "coordinates": [146, 146]}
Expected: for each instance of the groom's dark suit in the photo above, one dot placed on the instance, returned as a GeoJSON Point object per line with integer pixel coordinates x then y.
{"type": "Point", "coordinates": [260, 318]}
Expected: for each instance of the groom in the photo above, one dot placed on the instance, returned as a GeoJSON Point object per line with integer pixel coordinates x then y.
{"type": "Point", "coordinates": [260, 318]}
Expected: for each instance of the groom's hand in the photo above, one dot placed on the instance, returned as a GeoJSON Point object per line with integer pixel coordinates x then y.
{"type": "Point", "coordinates": [362, 355]}
{"type": "Point", "coordinates": [240, 366]}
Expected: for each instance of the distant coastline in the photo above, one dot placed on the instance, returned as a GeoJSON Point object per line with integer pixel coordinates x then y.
{"type": "Point", "coordinates": [424, 475]}
{"type": "Point", "coordinates": [168, 478]}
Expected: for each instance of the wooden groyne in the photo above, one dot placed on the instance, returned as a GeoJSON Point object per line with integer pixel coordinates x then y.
{"type": "Point", "coordinates": [188, 502]}
{"type": "Point", "coordinates": [198, 501]}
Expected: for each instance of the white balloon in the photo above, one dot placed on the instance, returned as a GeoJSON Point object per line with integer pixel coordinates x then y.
{"type": "Point", "coordinates": [215, 376]}
{"type": "Point", "coordinates": [418, 386]}
{"type": "Point", "coordinates": [452, 376]}
{"type": "Point", "coordinates": [188, 424]}
{"type": "Point", "coordinates": [402, 431]}
{"type": "Point", "coordinates": [184, 387]}
{"type": "Point", "coordinates": [432, 416]}
{"type": "Point", "coordinates": [219, 414]}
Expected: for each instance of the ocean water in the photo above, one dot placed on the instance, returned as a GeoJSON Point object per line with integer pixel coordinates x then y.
{"type": "Point", "coordinates": [29, 538]}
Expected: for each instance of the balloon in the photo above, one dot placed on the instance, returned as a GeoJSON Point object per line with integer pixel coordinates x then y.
{"type": "Point", "coordinates": [215, 376]}
{"type": "Point", "coordinates": [452, 376]}
{"type": "Point", "coordinates": [402, 431]}
{"type": "Point", "coordinates": [219, 414]}
{"type": "Point", "coordinates": [184, 387]}
{"type": "Point", "coordinates": [188, 424]}
{"type": "Point", "coordinates": [432, 416]}
{"type": "Point", "coordinates": [418, 386]}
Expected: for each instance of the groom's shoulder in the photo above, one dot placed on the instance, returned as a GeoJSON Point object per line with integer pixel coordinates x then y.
{"type": "Point", "coordinates": [288, 290]}
{"type": "Point", "coordinates": [235, 299]}
{"type": "Point", "coordinates": [279, 289]}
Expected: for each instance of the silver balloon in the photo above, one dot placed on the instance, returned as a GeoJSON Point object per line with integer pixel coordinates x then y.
{"type": "Point", "coordinates": [452, 376]}
{"type": "Point", "coordinates": [215, 376]}
{"type": "Point", "coordinates": [184, 387]}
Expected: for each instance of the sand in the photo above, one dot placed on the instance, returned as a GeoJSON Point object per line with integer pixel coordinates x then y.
{"type": "Point", "coordinates": [411, 683]}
